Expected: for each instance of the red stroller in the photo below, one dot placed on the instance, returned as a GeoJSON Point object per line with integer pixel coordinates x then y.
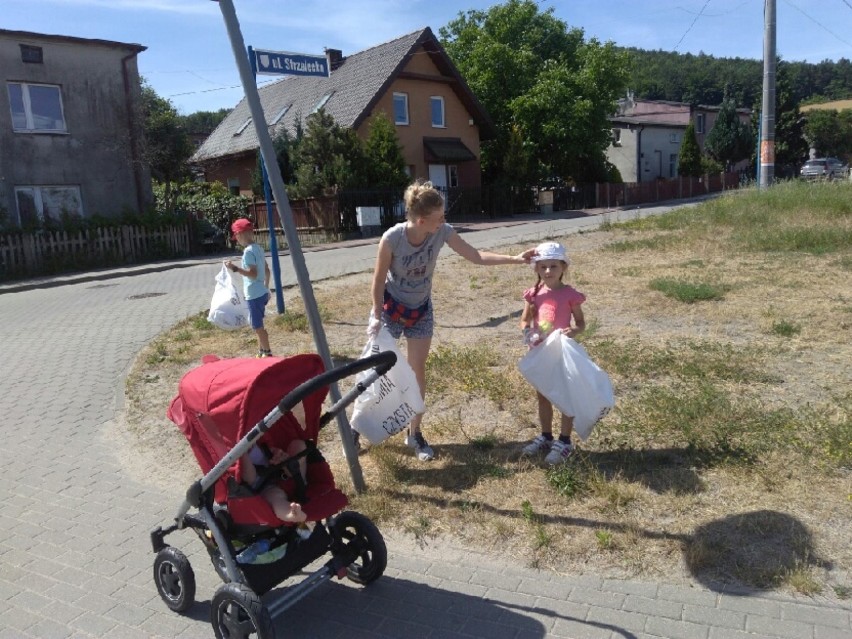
{"type": "Point", "coordinates": [224, 407]}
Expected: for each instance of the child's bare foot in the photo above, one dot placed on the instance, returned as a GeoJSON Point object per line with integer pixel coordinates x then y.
{"type": "Point", "coordinates": [296, 515]}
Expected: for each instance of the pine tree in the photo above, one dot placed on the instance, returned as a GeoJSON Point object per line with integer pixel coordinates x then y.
{"type": "Point", "coordinates": [730, 139]}
{"type": "Point", "coordinates": [689, 156]}
{"type": "Point", "coordinates": [385, 164]}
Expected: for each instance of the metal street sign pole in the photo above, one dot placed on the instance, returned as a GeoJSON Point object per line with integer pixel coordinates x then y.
{"type": "Point", "coordinates": [270, 215]}
{"type": "Point", "coordinates": [268, 153]}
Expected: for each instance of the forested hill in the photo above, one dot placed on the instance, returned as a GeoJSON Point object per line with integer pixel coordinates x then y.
{"type": "Point", "coordinates": [701, 79]}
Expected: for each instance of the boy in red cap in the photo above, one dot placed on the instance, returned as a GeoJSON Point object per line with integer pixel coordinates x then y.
{"type": "Point", "coordinates": [255, 271]}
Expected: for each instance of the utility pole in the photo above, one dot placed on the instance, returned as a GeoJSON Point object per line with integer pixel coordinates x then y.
{"type": "Point", "coordinates": [767, 120]}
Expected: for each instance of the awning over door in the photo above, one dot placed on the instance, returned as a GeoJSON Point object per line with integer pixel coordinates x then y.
{"type": "Point", "coordinates": [447, 150]}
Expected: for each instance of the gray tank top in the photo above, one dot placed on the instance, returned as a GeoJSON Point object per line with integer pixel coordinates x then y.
{"type": "Point", "coordinates": [409, 279]}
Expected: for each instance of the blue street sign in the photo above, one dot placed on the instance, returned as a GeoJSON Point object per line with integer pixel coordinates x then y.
{"type": "Point", "coordinates": [283, 63]}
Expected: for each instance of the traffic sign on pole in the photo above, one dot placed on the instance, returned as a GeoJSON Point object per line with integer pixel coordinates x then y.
{"type": "Point", "coordinates": [284, 63]}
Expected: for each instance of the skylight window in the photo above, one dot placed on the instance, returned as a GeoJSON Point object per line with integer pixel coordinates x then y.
{"type": "Point", "coordinates": [243, 126]}
{"type": "Point", "coordinates": [281, 114]}
{"type": "Point", "coordinates": [322, 102]}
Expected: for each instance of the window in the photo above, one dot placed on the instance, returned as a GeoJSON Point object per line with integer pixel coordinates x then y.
{"type": "Point", "coordinates": [400, 108]}
{"type": "Point", "coordinates": [454, 175]}
{"type": "Point", "coordinates": [234, 186]}
{"type": "Point", "coordinates": [37, 203]}
{"type": "Point", "coordinates": [673, 165]}
{"type": "Point", "coordinates": [322, 101]}
{"type": "Point", "coordinates": [243, 127]}
{"type": "Point", "coordinates": [31, 54]}
{"type": "Point", "coordinates": [616, 137]}
{"type": "Point", "coordinates": [699, 123]}
{"type": "Point", "coordinates": [673, 138]}
{"type": "Point", "coordinates": [36, 107]}
{"type": "Point", "coordinates": [437, 103]}
{"type": "Point", "coordinates": [281, 114]}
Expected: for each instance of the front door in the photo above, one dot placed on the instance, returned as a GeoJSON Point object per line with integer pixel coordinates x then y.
{"type": "Point", "coordinates": [438, 176]}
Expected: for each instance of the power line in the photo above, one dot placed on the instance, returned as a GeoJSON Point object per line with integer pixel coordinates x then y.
{"type": "Point", "coordinates": [818, 23]}
{"type": "Point", "coordinates": [236, 86]}
{"type": "Point", "coordinates": [691, 25]}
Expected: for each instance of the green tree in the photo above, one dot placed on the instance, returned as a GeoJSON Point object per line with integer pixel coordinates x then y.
{"type": "Point", "coordinates": [531, 71]}
{"type": "Point", "coordinates": [166, 147]}
{"type": "Point", "coordinates": [385, 164]}
{"type": "Point", "coordinates": [208, 200]}
{"type": "Point", "coordinates": [689, 156]}
{"type": "Point", "coordinates": [730, 139]}
{"type": "Point", "coordinates": [203, 122]}
{"type": "Point", "coordinates": [830, 132]}
{"type": "Point", "coordinates": [286, 149]}
{"type": "Point", "coordinates": [329, 158]}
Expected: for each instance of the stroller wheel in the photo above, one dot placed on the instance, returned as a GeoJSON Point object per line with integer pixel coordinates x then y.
{"type": "Point", "coordinates": [175, 579]}
{"type": "Point", "coordinates": [236, 612]}
{"type": "Point", "coordinates": [360, 537]}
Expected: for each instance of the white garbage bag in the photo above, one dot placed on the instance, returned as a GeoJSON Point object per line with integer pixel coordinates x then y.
{"type": "Point", "coordinates": [228, 308]}
{"type": "Point", "coordinates": [561, 370]}
{"type": "Point", "coordinates": [392, 401]}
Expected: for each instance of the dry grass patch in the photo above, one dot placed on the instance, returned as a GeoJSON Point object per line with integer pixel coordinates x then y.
{"type": "Point", "coordinates": [727, 457]}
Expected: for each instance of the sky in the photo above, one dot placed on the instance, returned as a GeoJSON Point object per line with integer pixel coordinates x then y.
{"type": "Point", "coordinates": [189, 59]}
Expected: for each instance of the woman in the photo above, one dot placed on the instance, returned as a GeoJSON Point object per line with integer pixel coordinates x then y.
{"type": "Point", "coordinates": [402, 283]}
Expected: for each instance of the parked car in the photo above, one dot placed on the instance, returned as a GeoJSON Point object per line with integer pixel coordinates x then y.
{"type": "Point", "coordinates": [824, 168]}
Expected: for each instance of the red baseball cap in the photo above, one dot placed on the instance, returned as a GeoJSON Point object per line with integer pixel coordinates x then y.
{"type": "Point", "coordinates": [241, 225]}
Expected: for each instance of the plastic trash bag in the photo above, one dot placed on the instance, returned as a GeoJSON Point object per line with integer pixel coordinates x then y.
{"type": "Point", "coordinates": [228, 308]}
{"type": "Point", "coordinates": [561, 370]}
{"type": "Point", "coordinates": [392, 401]}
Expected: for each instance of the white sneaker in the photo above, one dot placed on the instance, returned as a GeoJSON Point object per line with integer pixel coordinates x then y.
{"type": "Point", "coordinates": [539, 445]}
{"type": "Point", "coordinates": [559, 452]}
{"type": "Point", "coordinates": [422, 449]}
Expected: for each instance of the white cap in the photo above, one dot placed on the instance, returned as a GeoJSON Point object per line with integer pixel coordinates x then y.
{"type": "Point", "coordinates": [549, 251]}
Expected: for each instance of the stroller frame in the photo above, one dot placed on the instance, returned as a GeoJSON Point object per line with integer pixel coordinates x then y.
{"type": "Point", "coordinates": [236, 608]}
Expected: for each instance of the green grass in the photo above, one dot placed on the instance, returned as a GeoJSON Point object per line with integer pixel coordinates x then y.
{"type": "Point", "coordinates": [708, 422]}
{"type": "Point", "coordinates": [689, 292]}
{"type": "Point", "coordinates": [605, 539]}
{"type": "Point", "coordinates": [694, 359]}
{"type": "Point", "coordinates": [478, 371]}
{"type": "Point", "coordinates": [567, 480]}
{"type": "Point", "coordinates": [791, 217]}
{"type": "Point", "coordinates": [654, 243]}
{"type": "Point", "coordinates": [785, 328]}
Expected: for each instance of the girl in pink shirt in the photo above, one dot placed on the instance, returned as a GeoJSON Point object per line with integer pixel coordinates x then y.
{"type": "Point", "coordinates": [548, 306]}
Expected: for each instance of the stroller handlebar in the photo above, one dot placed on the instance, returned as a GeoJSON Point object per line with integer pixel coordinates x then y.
{"type": "Point", "coordinates": [382, 362]}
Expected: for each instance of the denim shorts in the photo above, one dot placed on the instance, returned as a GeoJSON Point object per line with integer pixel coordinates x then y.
{"type": "Point", "coordinates": [257, 309]}
{"type": "Point", "coordinates": [424, 327]}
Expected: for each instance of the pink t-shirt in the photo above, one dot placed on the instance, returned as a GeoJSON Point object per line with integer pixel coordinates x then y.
{"type": "Point", "coordinates": [552, 307]}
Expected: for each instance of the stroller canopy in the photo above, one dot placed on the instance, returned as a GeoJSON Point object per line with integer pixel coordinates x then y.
{"type": "Point", "coordinates": [221, 400]}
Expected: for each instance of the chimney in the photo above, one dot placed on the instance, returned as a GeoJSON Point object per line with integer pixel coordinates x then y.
{"type": "Point", "coordinates": [335, 58]}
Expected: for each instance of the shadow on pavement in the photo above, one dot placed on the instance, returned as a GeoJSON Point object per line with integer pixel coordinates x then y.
{"type": "Point", "coordinates": [394, 607]}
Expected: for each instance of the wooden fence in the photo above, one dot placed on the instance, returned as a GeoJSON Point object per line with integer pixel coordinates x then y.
{"type": "Point", "coordinates": [317, 221]}
{"type": "Point", "coordinates": [44, 252]}
{"type": "Point", "coordinates": [611, 195]}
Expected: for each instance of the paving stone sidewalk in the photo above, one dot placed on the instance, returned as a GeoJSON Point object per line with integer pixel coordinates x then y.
{"type": "Point", "coordinates": [76, 561]}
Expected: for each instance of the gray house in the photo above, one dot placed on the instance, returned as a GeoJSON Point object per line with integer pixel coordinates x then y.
{"type": "Point", "coordinates": [647, 134]}
{"type": "Point", "coordinates": [70, 135]}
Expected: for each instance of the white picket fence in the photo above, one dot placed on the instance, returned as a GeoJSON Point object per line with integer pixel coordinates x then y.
{"type": "Point", "coordinates": [47, 251]}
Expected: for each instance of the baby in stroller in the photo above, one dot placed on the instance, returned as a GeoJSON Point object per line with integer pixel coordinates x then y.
{"type": "Point", "coordinates": [284, 509]}
{"type": "Point", "coordinates": [228, 408]}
